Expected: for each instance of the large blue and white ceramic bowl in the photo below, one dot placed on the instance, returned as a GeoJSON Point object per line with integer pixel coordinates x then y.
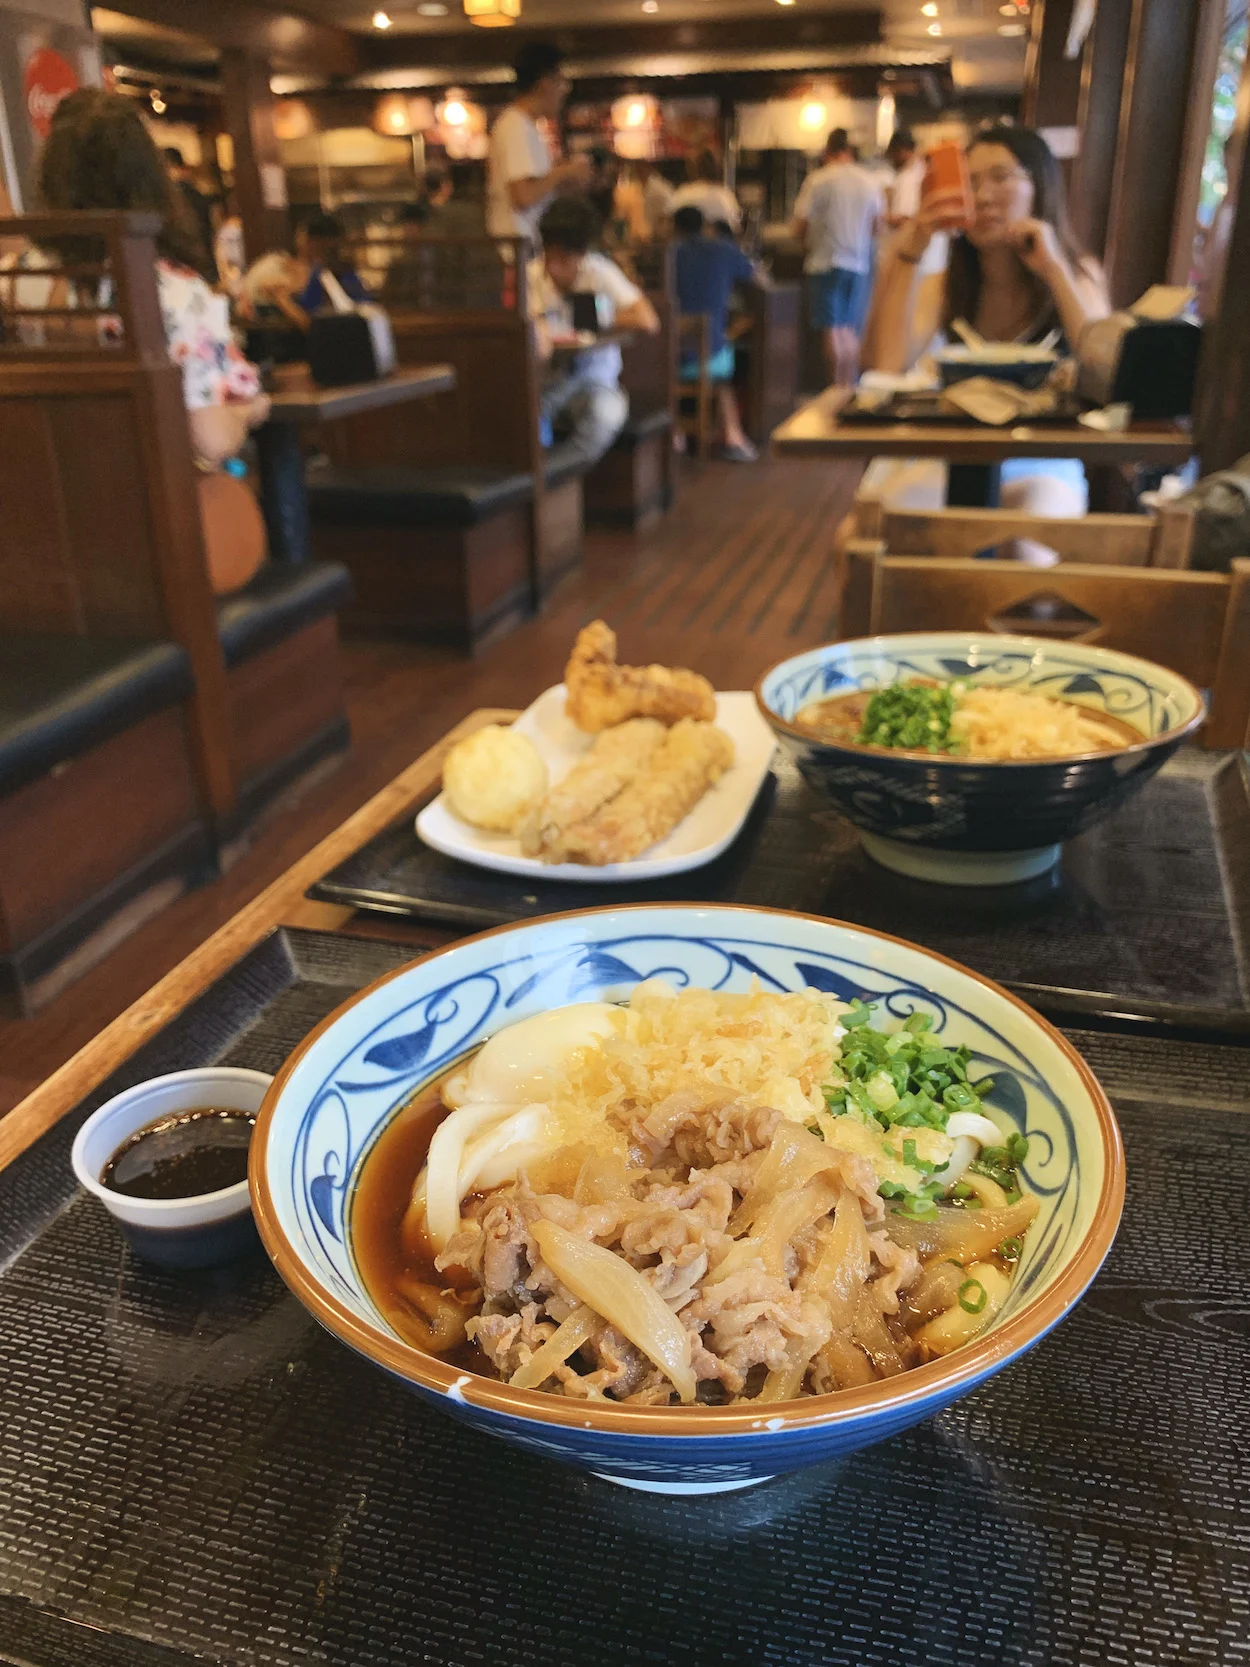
{"type": "Point", "coordinates": [978, 822]}
{"type": "Point", "coordinates": [351, 1076]}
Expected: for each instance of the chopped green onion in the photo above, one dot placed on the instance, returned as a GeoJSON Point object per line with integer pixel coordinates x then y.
{"type": "Point", "coordinates": [973, 1296]}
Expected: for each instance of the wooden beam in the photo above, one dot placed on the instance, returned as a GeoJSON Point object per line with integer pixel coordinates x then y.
{"type": "Point", "coordinates": [1158, 86]}
{"type": "Point", "coordinates": [1052, 80]}
{"type": "Point", "coordinates": [1222, 416]}
{"type": "Point", "coordinates": [259, 178]}
{"type": "Point", "coordinates": [720, 34]}
{"type": "Point", "coordinates": [1102, 81]}
{"type": "Point", "coordinates": [283, 39]}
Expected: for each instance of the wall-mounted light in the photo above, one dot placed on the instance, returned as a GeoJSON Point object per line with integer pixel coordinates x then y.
{"type": "Point", "coordinates": [492, 14]}
{"type": "Point", "coordinates": [158, 104]}
{"type": "Point", "coordinates": [634, 110]}
{"type": "Point", "coordinates": [292, 119]}
{"type": "Point", "coordinates": [813, 116]}
{"type": "Point", "coordinates": [381, 20]}
{"type": "Point", "coordinates": [390, 116]}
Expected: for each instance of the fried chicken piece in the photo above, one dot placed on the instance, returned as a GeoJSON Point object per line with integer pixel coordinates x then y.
{"type": "Point", "coordinates": [601, 693]}
{"type": "Point", "coordinates": [688, 761]}
{"type": "Point", "coordinates": [615, 759]}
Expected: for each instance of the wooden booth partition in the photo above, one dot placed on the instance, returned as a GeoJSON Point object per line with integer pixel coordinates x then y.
{"type": "Point", "coordinates": [101, 535]}
{"type": "Point", "coordinates": [773, 344]}
{"type": "Point", "coordinates": [464, 534]}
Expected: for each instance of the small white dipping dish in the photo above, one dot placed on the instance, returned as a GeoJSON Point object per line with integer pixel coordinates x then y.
{"type": "Point", "coordinates": [198, 1232]}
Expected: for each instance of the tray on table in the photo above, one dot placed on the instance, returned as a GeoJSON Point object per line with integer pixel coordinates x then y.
{"type": "Point", "coordinates": [1147, 917]}
{"type": "Point", "coordinates": [191, 1470]}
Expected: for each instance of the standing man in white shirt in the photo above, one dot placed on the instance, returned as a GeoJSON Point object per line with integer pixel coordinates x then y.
{"type": "Point", "coordinates": [521, 179]}
{"type": "Point", "coordinates": [836, 217]}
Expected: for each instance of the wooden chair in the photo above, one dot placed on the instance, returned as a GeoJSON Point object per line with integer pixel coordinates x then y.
{"type": "Point", "coordinates": [695, 402]}
{"type": "Point", "coordinates": [1198, 624]}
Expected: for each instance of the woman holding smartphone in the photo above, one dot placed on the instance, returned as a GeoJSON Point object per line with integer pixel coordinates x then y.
{"type": "Point", "coordinates": [1015, 272]}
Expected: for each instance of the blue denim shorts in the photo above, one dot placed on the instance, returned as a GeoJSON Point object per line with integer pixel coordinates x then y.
{"type": "Point", "coordinates": [720, 366]}
{"type": "Point", "coordinates": [838, 299]}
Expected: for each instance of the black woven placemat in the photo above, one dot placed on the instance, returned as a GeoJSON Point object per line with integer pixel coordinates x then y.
{"type": "Point", "coordinates": [1147, 915]}
{"type": "Point", "coordinates": [191, 1470]}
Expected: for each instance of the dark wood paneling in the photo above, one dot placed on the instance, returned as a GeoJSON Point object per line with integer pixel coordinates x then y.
{"type": "Point", "coordinates": [560, 533]}
{"type": "Point", "coordinates": [1223, 409]}
{"type": "Point", "coordinates": [1052, 80]}
{"type": "Point", "coordinates": [67, 836]}
{"type": "Point", "coordinates": [37, 589]}
{"type": "Point", "coordinates": [630, 486]}
{"type": "Point", "coordinates": [248, 106]}
{"type": "Point", "coordinates": [106, 514]}
{"type": "Point", "coordinates": [1153, 115]}
{"type": "Point", "coordinates": [775, 346]}
{"type": "Point", "coordinates": [283, 697]}
{"type": "Point", "coordinates": [285, 39]}
{"type": "Point", "coordinates": [481, 47]}
{"type": "Point", "coordinates": [1102, 82]}
{"type": "Point", "coordinates": [441, 585]}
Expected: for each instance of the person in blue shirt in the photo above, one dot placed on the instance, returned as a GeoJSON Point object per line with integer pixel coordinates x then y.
{"type": "Point", "coordinates": [708, 269]}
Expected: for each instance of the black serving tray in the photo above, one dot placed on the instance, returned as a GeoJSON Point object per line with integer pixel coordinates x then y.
{"type": "Point", "coordinates": [927, 406]}
{"type": "Point", "coordinates": [191, 1470]}
{"type": "Point", "coordinates": [1147, 918]}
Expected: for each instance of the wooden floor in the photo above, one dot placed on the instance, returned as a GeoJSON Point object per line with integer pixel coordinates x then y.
{"type": "Point", "coordinates": [735, 577]}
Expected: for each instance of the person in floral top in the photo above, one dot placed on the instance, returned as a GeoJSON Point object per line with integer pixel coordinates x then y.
{"type": "Point", "coordinates": [100, 156]}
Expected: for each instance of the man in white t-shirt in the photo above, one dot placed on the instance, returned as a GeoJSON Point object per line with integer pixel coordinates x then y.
{"type": "Point", "coordinates": [583, 407]}
{"type": "Point", "coordinates": [521, 178]}
{"type": "Point", "coordinates": [836, 217]}
{"type": "Point", "coordinates": [707, 191]}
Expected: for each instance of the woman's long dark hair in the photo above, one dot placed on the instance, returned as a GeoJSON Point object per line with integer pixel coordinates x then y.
{"type": "Point", "coordinates": [100, 156]}
{"type": "Point", "coordinates": [963, 273]}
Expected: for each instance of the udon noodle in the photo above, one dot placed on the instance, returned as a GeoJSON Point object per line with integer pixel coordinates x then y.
{"type": "Point", "coordinates": [965, 720]}
{"type": "Point", "coordinates": [696, 1197]}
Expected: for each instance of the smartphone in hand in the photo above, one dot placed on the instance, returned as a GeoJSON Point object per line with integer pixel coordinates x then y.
{"type": "Point", "coordinates": [946, 175]}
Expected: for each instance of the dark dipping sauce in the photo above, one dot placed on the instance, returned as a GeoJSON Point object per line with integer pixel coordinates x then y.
{"type": "Point", "coordinates": [183, 1155]}
{"type": "Point", "coordinates": [840, 718]}
{"type": "Point", "coordinates": [398, 1271]}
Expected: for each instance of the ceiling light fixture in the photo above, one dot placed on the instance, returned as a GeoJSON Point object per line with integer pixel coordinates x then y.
{"type": "Point", "coordinates": [381, 20]}
{"type": "Point", "coordinates": [159, 106]}
{"type": "Point", "coordinates": [432, 8]}
{"type": "Point", "coordinates": [650, 6]}
{"type": "Point", "coordinates": [929, 10]}
{"type": "Point", "coordinates": [785, 2]}
{"type": "Point", "coordinates": [935, 28]}
{"type": "Point", "coordinates": [492, 14]}
{"type": "Point", "coordinates": [813, 116]}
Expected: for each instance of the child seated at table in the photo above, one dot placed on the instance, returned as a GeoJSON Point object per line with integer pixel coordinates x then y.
{"type": "Point", "coordinates": [583, 404]}
{"type": "Point", "coordinates": [708, 270]}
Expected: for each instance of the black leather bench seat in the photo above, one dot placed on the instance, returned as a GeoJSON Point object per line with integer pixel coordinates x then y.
{"type": "Point", "coordinates": [282, 599]}
{"type": "Point", "coordinates": [60, 696]}
{"type": "Point", "coordinates": [388, 495]}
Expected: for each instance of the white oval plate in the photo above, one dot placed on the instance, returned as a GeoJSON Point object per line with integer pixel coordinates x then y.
{"type": "Point", "coordinates": [709, 829]}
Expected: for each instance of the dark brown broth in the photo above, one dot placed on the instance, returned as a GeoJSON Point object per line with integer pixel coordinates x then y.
{"type": "Point", "coordinates": [183, 1156]}
{"type": "Point", "coordinates": [382, 1196]}
{"type": "Point", "coordinates": [840, 718]}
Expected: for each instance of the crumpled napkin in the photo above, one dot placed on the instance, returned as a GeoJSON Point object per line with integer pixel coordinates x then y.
{"type": "Point", "coordinates": [988, 401]}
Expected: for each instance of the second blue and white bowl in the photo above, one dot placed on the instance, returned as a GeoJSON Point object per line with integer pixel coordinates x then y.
{"type": "Point", "coordinates": [978, 821]}
{"type": "Point", "coordinates": [344, 1084]}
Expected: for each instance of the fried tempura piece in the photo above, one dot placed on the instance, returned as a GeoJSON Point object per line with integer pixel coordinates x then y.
{"type": "Point", "coordinates": [690, 758]}
{"type": "Point", "coordinates": [601, 693]}
{"type": "Point", "coordinates": [615, 759]}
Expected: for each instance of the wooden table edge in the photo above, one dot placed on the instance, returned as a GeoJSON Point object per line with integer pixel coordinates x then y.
{"type": "Point", "coordinates": [282, 903]}
{"type": "Point", "coordinates": [299, 405]}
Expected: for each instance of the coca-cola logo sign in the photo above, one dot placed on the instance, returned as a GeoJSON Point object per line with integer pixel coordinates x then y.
{"type": "Point", "coordinates": [48, 79]}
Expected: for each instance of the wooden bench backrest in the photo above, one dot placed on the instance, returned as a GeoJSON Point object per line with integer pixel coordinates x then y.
{"type": "Point", "coordinates": [1198, 624]}
{"type": "Point", "coordinates": [1162, 539]}
{"type": "Point", "coordinates": [491, 416]}
{"type": "Point", "coordinates": [100, 531]}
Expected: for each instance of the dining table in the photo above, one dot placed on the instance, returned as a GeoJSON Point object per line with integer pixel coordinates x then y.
{"type": "Point", "coordinates": [975, 451]}
{"type": "Point", "coordinates": [192, 1470]}
{"type": "Point", "coordinates": [296, 404]}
